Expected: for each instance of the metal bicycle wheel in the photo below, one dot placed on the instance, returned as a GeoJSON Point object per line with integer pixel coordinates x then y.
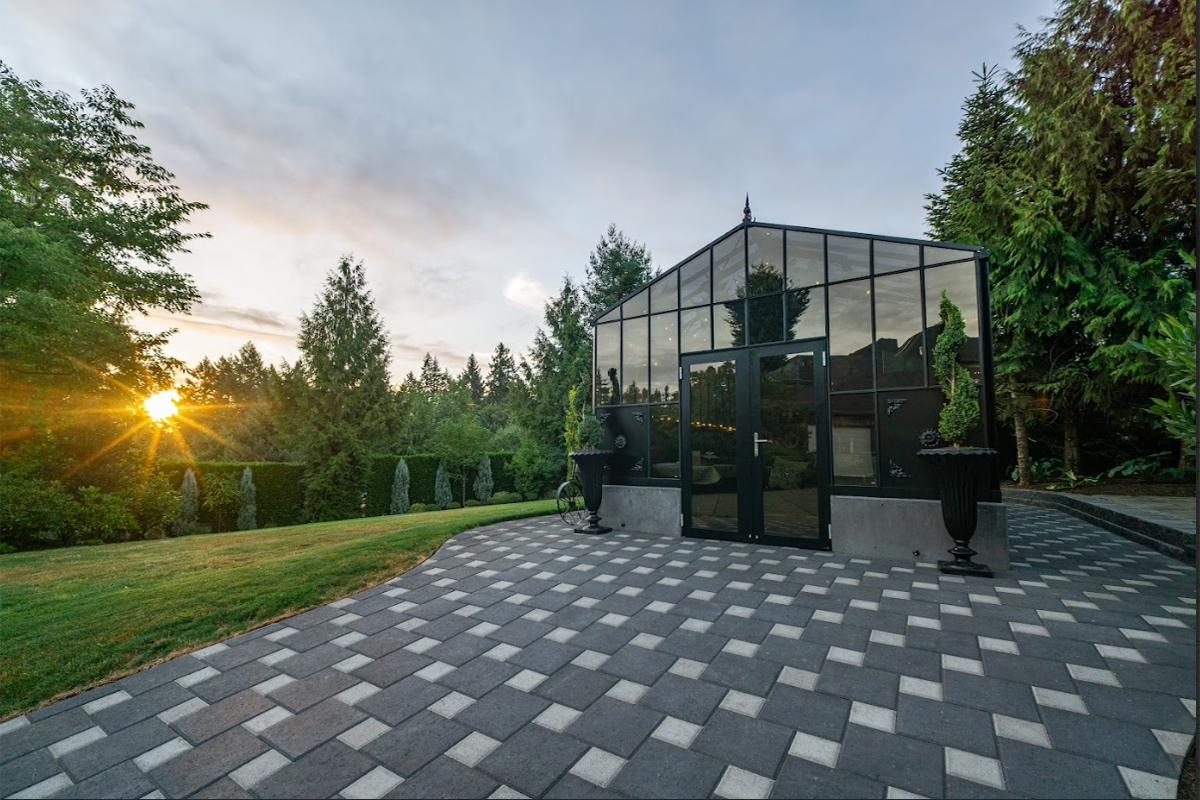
{"type": "Point", "coordinates": [570, 502]}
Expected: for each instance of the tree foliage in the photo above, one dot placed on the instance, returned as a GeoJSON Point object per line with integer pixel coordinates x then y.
{"type": "Point", "coordinates": [443, 495]}
{"type": "Point", "coordinates": [960, 414]}
{"type": "Point", "coordinates": [484, 484]}
{"type": "Point", "coordinates": [400, 484]}
{"type": "Point", "coordinates": [247, 517]}
{"type": "Point", "coordinates": [615, 268]}
{"type": "Point", "coordinates": [189, 506]}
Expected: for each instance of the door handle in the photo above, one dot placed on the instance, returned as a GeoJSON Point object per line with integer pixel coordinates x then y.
{"type": "Point", "coordinates": [757, 442]}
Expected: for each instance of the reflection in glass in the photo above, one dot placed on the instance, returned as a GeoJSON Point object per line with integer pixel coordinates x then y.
{"type": "Point", "coordinates": [850, 358]}
{"type": "Point", "coordinates": [714, 457]}
{"type": "Point", "coordinates": [664, 295]}
{"type": "Point", "coordinates": [805, 259]}
{"type": "Point", "coordinates": [766, 312]}
{"type": "Point", "coordinates": [727, 330]}
{"type": "Point", "coordinates": [848, 258]}
{"type": "Point", "coordinates": [766, 319]}
{"type": "Point", "coordinates": [635, 361]}
{"type": "Point", "coordinates": [895, 256]}
{"type": "Point", "coordinates": [766, 259]}
{"type": "Point", "coordinates": [729, 267]}
{"type": "Point", "coordinates": [664, 358]}
{"type": "Point", "coordinates": [899, 336]}
{"type": "Point", "coordinates": [694, 285]}
{"type": "Point", "coordinates": [852, 418]}
{"type": "Point", "coordinates": [664, 441]}
{"type": "Point", "coordinates": [696, 329]}
{"type": "Point", "coordinates": [638, 304]}
{"type": "Point", "coordinates": [958, 280]}
{"type": "Point", "coordinates": [608, 363]}
{"type": "Point", "coordinates": [944, 255]}
{"type": "Point", "coordinates": [611, 316]}
{"type": "Point", "coordinates": [788, 459]}
{"type": "Point", "coordinates": [806, 313]}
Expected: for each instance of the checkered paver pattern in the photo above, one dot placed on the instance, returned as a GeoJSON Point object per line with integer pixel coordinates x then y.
{"type": "Point", "coordinates": [524, 660]}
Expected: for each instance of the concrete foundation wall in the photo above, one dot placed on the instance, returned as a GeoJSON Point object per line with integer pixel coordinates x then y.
{"type": "Point", "coordinates": [885, 527]}
{"type": "Point", "coordinates": [642, 509]}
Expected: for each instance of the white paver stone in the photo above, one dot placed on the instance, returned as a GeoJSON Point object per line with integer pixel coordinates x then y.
{"type": "Point", "coordinates": [815, 749]}
{"type": "Point", "coordinates": [677, 732]}
{"type": "Point", "coordinates": [250, 774]}
{"type": "Point", "coordinates": [1065, 701]}
{"type": "Point", "coordinates": [1147, 784]}
{"type": "Point", "coordinates": [375, 783]}
{"type": "Point", "coordinates": [1021, 730]}
{"type": "Point", "coordinates": [451, 704]}
{"type": "Point", "coordinates": [81, 739]}
{"type": "Point", "coordinates": [363, 733]}
{"type": "Point", "coordinates": [51, 786]}
{"type": "Point", "coordinates": [869, 716]}
{"type": "Point", "coordinates": [266, 719]}
{"type": "Point", "coordinates": [598, 767]}
{"type": "Point", "coordinates": [740, 783]}
{"type": "Point", "coordinates": [182, 710]}
{"type": "Point", "coordinates": [161, 754]}
{"type": "Point", "coordinates": [271, 684]}
{"type": "Point", "coordinates": [357, 693]}
{"type": "Point", "coordinates": [627, 691]}
{"type": "Point", "coordinates": [919, 687]}
{"type": "Point", "coordinates": [742, 703]}
{"type": "Point", "coordinates": [108, 701]}
{"type": "Point", "coordinates": [198, 676]}
{"type": "Point", "coordinates": [974, 768]}
{"type": "Point", "coordinates": [526, 680]}
{"type": "Point", "coordinates": [557, 717]}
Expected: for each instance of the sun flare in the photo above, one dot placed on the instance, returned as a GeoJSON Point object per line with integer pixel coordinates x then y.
{"type": "Point", "coordinates": [160, 406]}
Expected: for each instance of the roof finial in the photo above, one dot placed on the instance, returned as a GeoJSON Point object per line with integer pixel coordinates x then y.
{"type": "Point", "coordinates": [746, 218]}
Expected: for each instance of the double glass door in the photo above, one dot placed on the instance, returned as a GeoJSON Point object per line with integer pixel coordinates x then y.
{"type": "Point", "coordinates": [754, 460]}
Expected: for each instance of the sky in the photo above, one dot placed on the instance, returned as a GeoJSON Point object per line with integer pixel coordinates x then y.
{"type": "Point", "coordinates": [472, 154]}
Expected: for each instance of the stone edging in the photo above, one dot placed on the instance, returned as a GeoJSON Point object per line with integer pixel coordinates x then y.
{"type": "Point", "coordinates": [1176, 540]}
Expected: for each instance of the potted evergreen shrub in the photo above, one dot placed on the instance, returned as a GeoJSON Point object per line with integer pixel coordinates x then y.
{"type": "Point", "coordinates": [959, 468]}
{"type": "Point", "coordinates": [589, 462]}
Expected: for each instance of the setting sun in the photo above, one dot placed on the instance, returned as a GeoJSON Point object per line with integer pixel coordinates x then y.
{"type": "Point", "coordinates": [160, 406]}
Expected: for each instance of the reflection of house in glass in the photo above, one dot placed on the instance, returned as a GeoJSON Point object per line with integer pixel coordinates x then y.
{"type": "Point", "coordinates": [775, 380]}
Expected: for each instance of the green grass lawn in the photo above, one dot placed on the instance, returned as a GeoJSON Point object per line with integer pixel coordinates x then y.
{"type": "Point", "coordinates": [79, 616]}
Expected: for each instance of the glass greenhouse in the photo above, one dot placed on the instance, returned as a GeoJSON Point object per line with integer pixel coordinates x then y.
{"type": "Point", "coordinates": [779, 367]}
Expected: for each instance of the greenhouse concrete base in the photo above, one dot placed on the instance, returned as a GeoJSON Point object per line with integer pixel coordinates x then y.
{"type": "Point", "coordinates": [646, 509]}
{"type": "Point", "coordinates": [912, 530]}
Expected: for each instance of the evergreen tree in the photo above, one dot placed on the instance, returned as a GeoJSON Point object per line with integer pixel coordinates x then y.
{"type": "Point", "coordinates": [615, 268]}
{"type": "Point", "coordinates": [344, 361]}
{"type": "Point", "coordinates": [473, 380]}
{"type": "Point", "coordinates": [502, 374]}
{"type": "Point", "coordinates": [459, 443]}
{"type": "Point", "coordinates": [189, 506]}
{"type": "Point", "coordinates": [434, 379]}
{"type": "Point", "coordinates": [400, 482]}
{"type": "Point", "coordinates": [443, 495]}
{"type": "Point", "coordinates": [483, 480]}
{"type": "Point", "coordinates": [247, 518]}
{"type": "Point", "coordinates": [561, 361]}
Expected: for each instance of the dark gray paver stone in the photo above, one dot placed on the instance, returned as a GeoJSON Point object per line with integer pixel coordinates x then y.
{"type": "Point", "coordinates": [800, 778]}
{"type": "Point", "coordinates": [684, 698]}
{"type": "Point", "coordinates": [392, 668]}
{"type": "Point", "coordinates": [575, 686]}
{"type": "Point", "coordinates": [46, 732]}
{"type": "Point", "coordinates": [446, 778]}
{"type": "Point", "coordinates": [112, 750]}
{"type": "Point", "coordinates": [191, 771]}
{"type": "Point", "coordinates": [297, 735]}
{"type": "Point", "coordinates": [638, 664]}
{"type": "Point", "coordinates": [1037, 772]}
{"type": "Point", "coordinates": [224, 789]}
{"type": "Point", "coordinates": [820, 714]}
{"type": "Point", "coordinates": [306, 692]}
{"type": "Point", "coordinates": [140, 707]}
{"type": "Point", "coordinates": [232, 682]}
{"type": "Point", "coordinates": [899, 761]}
{"type": "Point", "coordinates": [569, 787]}
{"type": "Point", "coordinates": [874, 686]}
{"type": "Point", "coordinates": [616, 726]}
{"type": "Point", "coordinates": [752, 744]}
{"type": "Point", "coordinates": [481, 676]}
{"type": "Point", "coordinates": [502, 712]}
{"type": "Point", "coordinates": [662, 770]}
{"type": "Point", "coordinates": [532, 760]}
{"type": "Point", "coordinates": [26, 771]}
{"type": "Point", "coordinates": [1103, 738]}
{"type": "Point", "coordinates": [414, 743]}
{"type": "Point", "coordinates": [150, 678]}
{"type": "Point", "coordinates": [321, 773]}
{"type": "Point", "coordinates": [123, 780]}
{"type": "Point", "coordinates": [222, 716]}
{"type": "Point", "coordinates": [946, 724]}
{"type": "Point", "coordinates": [750, 675]}
{"type": "Point", "coordinates": [990, 694]}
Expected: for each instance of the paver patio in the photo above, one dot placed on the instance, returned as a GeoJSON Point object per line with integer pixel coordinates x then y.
{"type": "Point", "coordinates": [523, 659]}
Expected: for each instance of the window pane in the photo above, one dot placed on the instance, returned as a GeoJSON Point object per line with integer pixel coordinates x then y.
{"type": "Point", "coordinates": [805, 259]}
{"type": "Point", "coordinates": [611, 316]}
{"type": "Point", "coordinates": [958, 281]}
{"type": "Point", "coordinates": [895, 256]}
{"type": "Point", "coordinates": [635, 362]}
{"type": "Point", "coordinates": [729, 324]}
{"type": "Point", "coordinates": [664, 295]}
{"type": "Point", "coordinates": [806, 313]}
{"type": "Point", "coordinates": [664, 358]}
{"type": "Point", "coordinates": [766, 261]}
{"type": "Point", "coordinates": [944, 255]}
{"type": "Point", "coordinates": [694, 285]}
{"type": "Point", "coordinates": [638, 304]}
{"type": "Point", "coordinates": [608, 363]}
{"type": "Point", "coordinates": [729, 268]}
{"type": "Point", "coordinates": [714, 445]}
{"type": "Point", "coordinates": [664, 441]}
{"type": "Point", "coordinates": [766, 319]}
{"type": "Point", "coordinates": [696, 332]}
{"type": "Point", "coordinates": [899, 337]}
{"type": "Point", "coordinates": [848, 258]}
{"type": "Point", "coordinates": [850, 336]}
{"type": "Point", "coordinates": [853, 421]}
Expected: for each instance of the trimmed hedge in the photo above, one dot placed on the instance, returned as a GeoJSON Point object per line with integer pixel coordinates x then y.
{"type": "Point", "coordinates": [281, 494]}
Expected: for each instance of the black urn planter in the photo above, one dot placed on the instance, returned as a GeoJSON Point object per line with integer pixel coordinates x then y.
{"type": "Point", "coordinates": [590, 467]}
{"type": "Point", "coordinates": [958, 471]}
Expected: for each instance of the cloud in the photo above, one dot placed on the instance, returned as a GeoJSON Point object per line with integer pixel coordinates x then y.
{"type": "Point", "coordinates": [525, 292]}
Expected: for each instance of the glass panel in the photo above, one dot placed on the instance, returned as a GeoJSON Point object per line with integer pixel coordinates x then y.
{"type": "Point", "coordinates": [852, 418]}
{"type": "Point", "coordinates": [729, 268]}
{"type": "Point", "coordinates": [766, 261]}
{"type": "Point", "coordinates": [944, 255]}
{"type": "Point", "coordinates": [664, 358]}
{"type": "Point", "coordinates": [805, 259]}
{"type": "Point", "coordinates": [694, 286]}
{"type": "Point", "coordinates": [849, 258]}
{"type": "Point", "coordinates": [958, 280]}
{"type": "Point", "coordinates": [635, 361]}
{"type": "Point", "coordinates": [611, 316]}
{"type": "Point", "coordinates": [664, 295]}
{"type": "Point", "coordinates": [806, 314]}
{"type": "Point", "coordinates": [895, 256]}
{"type": "Point", "coordinates": [638, 304]}
{"type": "Point", "coordinates": [696, 332]}
{"type": "Point", "coordinates": [713, 431]}
{"type": "Point", "coordinates": [766, 319]}
{"type": "Point", "coordinates": [729, 324]}
{"type": "Point", "coordinates": [608, 364]}
{"type": "Point", "coordinates": [850, 336]}
{"type": "Point", "coordinates": [664, 441]}
{"type": "Point", "coordinates": [899, 336]}
{"type": "Point", "coordinates": [788, 460]}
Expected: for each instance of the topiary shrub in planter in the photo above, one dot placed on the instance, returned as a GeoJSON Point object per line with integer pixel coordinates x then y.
{"type": "Point", "coordinates": [589, 461]}
{"type": "Point", "coordinates": [958, 468]}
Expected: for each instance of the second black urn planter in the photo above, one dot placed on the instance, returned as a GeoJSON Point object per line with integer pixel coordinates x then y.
{"type": "Point", "coordinates": [958, 471]}
{"type": "Point", "coordinates": [589, 465]}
